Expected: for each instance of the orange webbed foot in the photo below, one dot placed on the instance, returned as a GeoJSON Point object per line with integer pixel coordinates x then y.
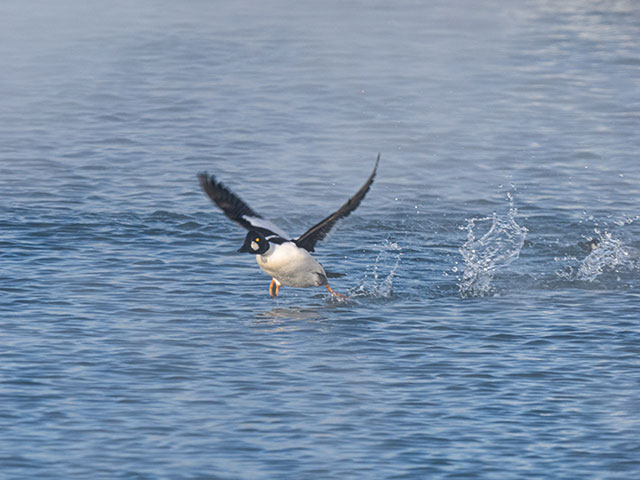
{"type": "Point", "coordinates": [274, 288]}
{"type": "Point", "coordinates": [333, 292]}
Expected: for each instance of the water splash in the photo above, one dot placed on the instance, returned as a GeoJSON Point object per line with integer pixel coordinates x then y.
{"type": "Point", "coordinates": [378, 278]}
{"type": "Point", "coordinates": [495, 249]}
{"type": "Point", "coordinates": [607, 254]}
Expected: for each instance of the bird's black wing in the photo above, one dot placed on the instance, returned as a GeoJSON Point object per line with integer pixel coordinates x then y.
{"type": "Point", "coordinates": [237, 210]}
{"type": "Point", "coordinates": [316, 233]}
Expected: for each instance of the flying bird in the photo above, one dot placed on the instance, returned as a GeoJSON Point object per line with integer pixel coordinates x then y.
{"type": "Point", "coordinates": [288, 261]}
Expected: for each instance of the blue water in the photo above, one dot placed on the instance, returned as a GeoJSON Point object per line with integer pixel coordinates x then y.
{"type": "Point", "coordinates": [493, 329]}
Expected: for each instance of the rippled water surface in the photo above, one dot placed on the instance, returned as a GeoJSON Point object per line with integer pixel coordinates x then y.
{"type": "Point", "coordinates": [492, 329]}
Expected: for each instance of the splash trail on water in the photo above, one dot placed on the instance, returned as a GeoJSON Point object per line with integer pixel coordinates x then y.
{"type": "Point", "coordinates": [608, 255]}
{"type": "Point", "coordinates": [485, 254]}
{"type": "Point", "coordinates": [378, 278]}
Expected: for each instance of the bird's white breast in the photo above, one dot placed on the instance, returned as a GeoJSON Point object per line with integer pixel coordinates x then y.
{"type": "Point", "coordinates": [292, 266]}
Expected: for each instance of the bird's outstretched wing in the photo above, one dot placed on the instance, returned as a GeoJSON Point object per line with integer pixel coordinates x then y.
{"type": "Point", "coordinates": [237, 210]}
{"type": "Point", "coordinates": [316, 233]}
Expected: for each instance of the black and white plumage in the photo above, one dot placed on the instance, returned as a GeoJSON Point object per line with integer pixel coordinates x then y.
{"type": "Point", "coordinates": [288, 261]}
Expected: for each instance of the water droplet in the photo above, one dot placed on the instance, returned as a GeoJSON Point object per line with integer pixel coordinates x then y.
{"type": "Point", "coordinates": [497, 247]}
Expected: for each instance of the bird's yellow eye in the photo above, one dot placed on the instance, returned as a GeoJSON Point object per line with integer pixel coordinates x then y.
{"type": "Point", "coordinates": [257, 239]}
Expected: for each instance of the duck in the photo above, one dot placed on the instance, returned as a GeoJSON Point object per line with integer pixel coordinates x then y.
{"type": "Point", "coordinates": [288, 261]}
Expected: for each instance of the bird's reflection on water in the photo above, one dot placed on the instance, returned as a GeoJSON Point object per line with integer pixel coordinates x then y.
{"type": "Point", "coordinates": [291, 313]}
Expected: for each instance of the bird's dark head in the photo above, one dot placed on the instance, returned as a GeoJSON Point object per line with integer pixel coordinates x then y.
{"type": "Point", "coordinates": [254, 243]}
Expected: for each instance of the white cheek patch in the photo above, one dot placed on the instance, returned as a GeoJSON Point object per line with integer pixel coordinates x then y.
{"type": "Point", "coordinates": [254, 246]}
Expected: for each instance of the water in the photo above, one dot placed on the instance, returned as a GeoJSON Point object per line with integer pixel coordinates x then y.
{"type": "Point", "coordinates": [493, 269]}
{"type": "Point", "coordinates": [495, 249]}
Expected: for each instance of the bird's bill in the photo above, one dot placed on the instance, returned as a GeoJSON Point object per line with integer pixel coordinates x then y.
{"type": "Point", "coordinates": [244, 249]}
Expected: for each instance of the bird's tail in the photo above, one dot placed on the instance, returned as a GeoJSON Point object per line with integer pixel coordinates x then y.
{"type": "Point", "coordinates": [335, 274]}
